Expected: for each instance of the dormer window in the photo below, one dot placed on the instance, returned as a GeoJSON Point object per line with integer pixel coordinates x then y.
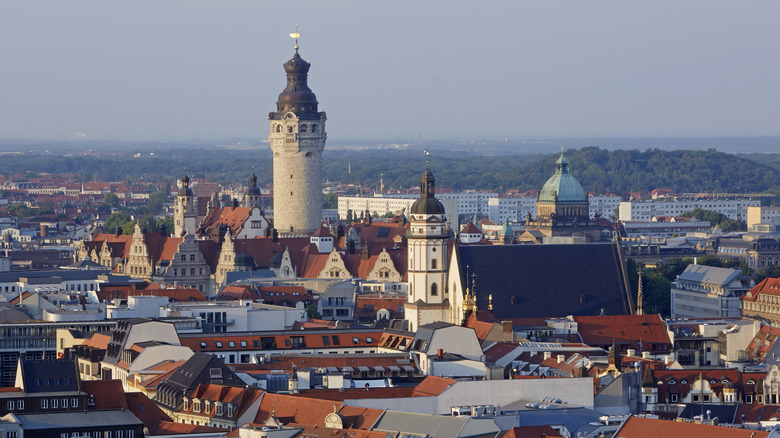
{"type": "Point", "coordinates": [218, 408]}
{"type": "Point", "coordinates": [195, 405]}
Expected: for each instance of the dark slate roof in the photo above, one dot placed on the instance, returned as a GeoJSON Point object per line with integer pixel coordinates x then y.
{"type": "Point", "coordinates": [69, 420]}
{"type": "Point", "coordinates": [724, 413]}
{"type": "Point", "coordinates": [546, 280]}
{"type": "Point", "coordinates": [49, 375]}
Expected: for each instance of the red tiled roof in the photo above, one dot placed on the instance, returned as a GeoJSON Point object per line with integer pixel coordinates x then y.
{"type": "Point", "coordinates": [171, 428]}
{"type": "Point", "coordinates": [295, 409]}
{"type": "Point", "coordinates": [322, 231]}
{"type": "Point", "coordinates": [641, 332]}
{"type": "Point", "coordinates": [146, 410]}
{"type": "Point", "coordinates": [690, 376]}
{"type": "Point", "coordinates": [762, 342]}
{"type": "Point", "coordinates": [240, 397]}
{"type": "Point", "coordinates": [638, 427]}
{"type": "Point", "coordinates": [432, 386]}
{"type": "Point", "coordinates": [470, 228]}
{"type": "Point", "coordinates": [369, 304]}
{"type": "Point", "coordinates": [104, 393]}
{"type": "Point", "coordinates": [768, 286]}
{"type": "Point", "coordinates": [499, 350]}
{"type": "Point", "coordinates": [233, 217]}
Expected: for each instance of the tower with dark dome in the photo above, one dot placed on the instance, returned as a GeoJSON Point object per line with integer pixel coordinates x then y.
{"type": "Point", "coordinates": [252, 195]}
{"type": "Point", "coordinates": [297, 137]}
{"type": "Point", "coordinates": [185, 213]}
{"type": "Point", "coordinates": [561, 210]}
{"type": "Point", "coordinates": [427, 257]}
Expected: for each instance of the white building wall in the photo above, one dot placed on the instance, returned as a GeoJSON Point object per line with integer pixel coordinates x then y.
{"type": "Point", "coordinates": [639, 211]}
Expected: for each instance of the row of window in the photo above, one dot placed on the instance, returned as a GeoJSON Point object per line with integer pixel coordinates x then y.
{"type": "Point", "coordinates": [130, 433]}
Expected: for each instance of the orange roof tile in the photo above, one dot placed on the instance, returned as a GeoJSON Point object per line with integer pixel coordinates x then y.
{"type": "Point", "coordinates": [638, 427]}
{"type": "Point", "coordinates": [104, 393]}
{"type": "Point", "coordinates": [768, 286]}
{"type": "Point", "coordinates": [641, 332]}
{"type": "Point", "coordinates": [295, 409]}
{"type": "Point", "coordinates": [432, 386]}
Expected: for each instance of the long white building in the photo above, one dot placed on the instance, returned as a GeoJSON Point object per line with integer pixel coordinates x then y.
{"type": "Point", "coordinates": [644, 211]}
{"type": "Point", "coordinates": [455, 204]}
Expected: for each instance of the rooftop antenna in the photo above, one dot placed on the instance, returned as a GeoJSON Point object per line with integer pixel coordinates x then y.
{"type": "Point", "coordinates": [295, 35]}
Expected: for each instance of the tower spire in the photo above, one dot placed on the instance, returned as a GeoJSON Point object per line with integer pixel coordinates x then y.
{"type": "Point", "coordinates": [295, 35]}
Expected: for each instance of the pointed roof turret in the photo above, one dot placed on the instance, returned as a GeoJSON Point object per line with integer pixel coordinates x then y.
{"type": "Point", "coordinates": [185, 189]}
{"type": "Point", "coordinates": [647, 380]}
{"type": "Point", "coordinates": [297, 97]}
{"type": "Point", "coordinates": [506, 229]}
{"type": "Point", "coordinates": [253, 189]}
{"type": "Point", "coordinates": [427, 204]}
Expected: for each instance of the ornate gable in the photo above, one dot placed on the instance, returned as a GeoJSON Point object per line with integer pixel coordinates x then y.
{"type": "Point", "coordinates": [334, 267]}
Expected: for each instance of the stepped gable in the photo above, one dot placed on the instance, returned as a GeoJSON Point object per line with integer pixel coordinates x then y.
{"type": "Point", "coordinates": [558, 280]}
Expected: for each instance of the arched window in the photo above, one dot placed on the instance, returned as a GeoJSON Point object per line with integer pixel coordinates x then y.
{"type": "Point", "coordinates": [302, 128]}
{"type": "Point", "coordinates": [434, 290]}
{"type": "Point", "coordinates": [313, 128]}
{"type": "Point", "coordinates": [290, 129]}
{"type": "Point", "coordinates": [434, 264]}
{"type": "Point", "coordinates": [278, 128]}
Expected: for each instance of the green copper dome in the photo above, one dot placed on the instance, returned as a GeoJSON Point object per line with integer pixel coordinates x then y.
{"type": "Point", "coordinates": [562, 187]}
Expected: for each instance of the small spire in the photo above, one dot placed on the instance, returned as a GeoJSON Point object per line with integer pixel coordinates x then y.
{"type": "Point", "coordinates": [295, 35]}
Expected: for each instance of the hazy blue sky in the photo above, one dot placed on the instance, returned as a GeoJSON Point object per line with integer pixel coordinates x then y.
{"type": "Point", "coordinates": [190, 69]}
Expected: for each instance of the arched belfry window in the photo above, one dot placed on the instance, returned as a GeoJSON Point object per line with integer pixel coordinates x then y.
{"type": "Point", "coordinates": [278, 128]}
{"type": "Point", "coordinates": [434, 290]}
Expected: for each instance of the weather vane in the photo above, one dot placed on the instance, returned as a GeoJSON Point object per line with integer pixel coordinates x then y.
{"type": "Point", "coordinates": [295, 35]}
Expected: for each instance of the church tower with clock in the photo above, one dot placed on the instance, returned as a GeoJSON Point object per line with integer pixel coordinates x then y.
{"type": "Point", "coordinates": [297, 138]}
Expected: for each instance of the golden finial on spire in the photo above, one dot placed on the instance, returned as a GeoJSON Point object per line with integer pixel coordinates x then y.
{"type": "Point", "coordinates": [490, 302]}
{"type": "Point", "coordinates": [295, 35]}
{"type": "Point", "coordinates": [427, 154]}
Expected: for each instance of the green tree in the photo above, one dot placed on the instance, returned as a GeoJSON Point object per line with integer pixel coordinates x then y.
{"type": "Point", "coordinates": [19, 210]}
{"type": "Point", "coordinates": [312, 313]}
{"type": "Point", "coordinates": [157, 201]}
{"type": "Point", "coordinates": [111, 200]}
{"type": "Point", "coordinates": [330, 201]}
{"type": "Point", "coordinates": [121, 220]}
{"type": "Point", "coordinates": [168, 222]}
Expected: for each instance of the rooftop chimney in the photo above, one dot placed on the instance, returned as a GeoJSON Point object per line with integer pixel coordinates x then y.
{"type": "Point", "coordinates": [440, 354]}
{"type": "Point", "coordinates": [561, 358]}
{"type": "Point", "coordinates": [630, 352]}
{"type": "Point", "coordinates": [507, 326]}
{"type": "Point", "coordinates": [547, 355]}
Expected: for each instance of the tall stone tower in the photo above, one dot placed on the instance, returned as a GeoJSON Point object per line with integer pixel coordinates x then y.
{"type": "Point", "coordinates": [297, 140]}
{"type": "Point", "coordinates": [427, 258]}
{"type": "Point", "coordinates": [185, 214]}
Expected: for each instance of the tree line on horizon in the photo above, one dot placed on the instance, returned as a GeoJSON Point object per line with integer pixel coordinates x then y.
{"type": "Point", "coordinates": [598, 170]}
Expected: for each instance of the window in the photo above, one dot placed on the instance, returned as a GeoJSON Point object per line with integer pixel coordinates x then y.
{"type": "Point", "coordinates": [54, 403]}
{"type": "Point", "coordinates": [232, 344]}
{"type": "Point", "coordinates": [335, 339]}
{"type": "Point", "coordinates": [298, 342]}
{"type": "Point", "coordinates": [325, 341]}
{"type": "Point", "coordinates": [434, 289]}
{"type": "Point", "coordinates": [21, 405]}
{"type": "Point", "coordinates": [268, 342]}
{"type": "Point", "coordinates": [74, 402]}
{"type": "Point", "coordinates": [192, 257]}
{"type": "Point", "coordinates": [219, 344]}
{"type": "Point", "coordinates": [434, 264]}
{"type": "Point", "coordinates": [356, 340]}
{"type": "Point", "coordinates": [243, 343]}
{"type": "Point", "coordinates": [202, 345]}
{"type": "Point", "coordinates": [256, 343]}
{"type": "Point", "coordinates": [10, 405]}
{"type": "Point", "coordinates": [44, 404]}
{"type": "Point", "coordinates": [183, 258]}
{"type": "Point", "coordinates": [369, 340]}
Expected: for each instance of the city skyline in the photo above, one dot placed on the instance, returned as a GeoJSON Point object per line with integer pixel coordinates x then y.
{"type": "Point", "coordinates": [196, 70]}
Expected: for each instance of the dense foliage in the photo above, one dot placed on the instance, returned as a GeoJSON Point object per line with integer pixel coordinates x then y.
{"type": "Point", "coordinates": [597, 169]}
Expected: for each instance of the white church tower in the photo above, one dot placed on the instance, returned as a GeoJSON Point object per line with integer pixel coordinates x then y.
{"type": "Point", "coordinates": [427, 257]}
{"type": "Point", "coordinates": [185, 213]}
{"type": "Point", "coordinates": [297, 140]}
